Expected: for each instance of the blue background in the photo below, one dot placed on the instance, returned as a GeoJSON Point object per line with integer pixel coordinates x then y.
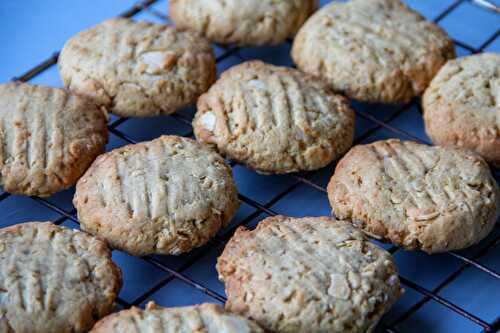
{"type": "Point", "coordinates": [32, 31]}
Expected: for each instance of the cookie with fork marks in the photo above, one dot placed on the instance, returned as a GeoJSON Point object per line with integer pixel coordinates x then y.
{"type": "Point", "coordinates": [207, 318]}
{"type": "Point", "coordinates": [274, 119]}
{"type": "Point", "coordinates": [48, 138]}
{"type": "Point", "coordinates": [311, 274]}
{"type": "Point", "coordinates": [165, 196]}
{"type": "Point", "coordinates": [54, 279]}
{"type": "Point", "coordinates": [417, 196]}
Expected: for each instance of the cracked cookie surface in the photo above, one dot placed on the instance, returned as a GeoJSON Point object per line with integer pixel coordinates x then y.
{"type": "Point", "coordinates": [372, 50]}
{"type": "Point", "coordinates": [48, 138]}
{"type": "Point", "coordinates": [165, 196]}
{"type": "Point", "coordinates": [274, 119]}
{"type": "Point", "coordinates": [462, 105]}
{"type": "Point", "coordinates": [137, 69]}
{"type": "Point", "coordinates": [417, 196]}
{"type": "Point", "coordinates": [206, 318]}
{"type": "Point", "coordinates": [310, 274]}
{"type": "Point", "coordinates": [54, 279]}
{"type": "Point", "coordinates": [242, 22]}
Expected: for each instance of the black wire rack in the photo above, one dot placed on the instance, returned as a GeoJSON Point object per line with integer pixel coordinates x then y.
{"type": "Point", "coordinates": [178, 273]}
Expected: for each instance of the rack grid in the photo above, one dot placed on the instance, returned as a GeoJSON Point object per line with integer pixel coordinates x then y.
{"type": "Point", "coordinates": [175, 270]}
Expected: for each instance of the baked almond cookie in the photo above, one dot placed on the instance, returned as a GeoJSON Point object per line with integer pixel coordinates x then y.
{"type": "Point", "coordinates": [165, 196]}
{"type": "Point", "coordinates": [48, 138]}
{"type": "Point", "coordinates": [417, 196]}
{"type": "Point", "coordinates": [274, 119]}
{"type": "Point", "coordinates": [54, 279]}
{"type": "Point", "coordinates": [242, 22]}
{"type": "Point", "coordinates": [306, 275]}
{"type": "Point", "coordinates": [462, 105]}
{"type": "Point", "coordinates": [137, 69]}
{"type": "Point", "coordinates": [372, 50]}
{"type": "Point", "coordinates": [206, 318]}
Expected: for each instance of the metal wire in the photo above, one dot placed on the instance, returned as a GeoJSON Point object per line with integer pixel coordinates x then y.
{"type": "Point", "coordinates": [488, 5]}
{"type": "Point", "coordinates": [298, 181]}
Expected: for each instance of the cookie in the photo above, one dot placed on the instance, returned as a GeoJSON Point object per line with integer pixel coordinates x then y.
{"type": "Point", "coordinates": [48, 138]}
{"type": "Point", "coordinates": [137, 69]}
{"type": "Point", "coordinates": [462, 105]}
{"type": "Point", "coordinates": [165, 196]}
{"type": "Point", "coordinates": [309, 274]}
{"type": "Point", "coordinates": [417, 196]}
{"type": "Point", "coordinates": [274, 119]}
{"type": "Point", "coordinates": [54, 279]}
{"type": "Point", "coordinates": [372, 50]}
{"type": "Point", "coordinates": [242, 22]}
{"type": "Point", "coordinates": [207, 318]}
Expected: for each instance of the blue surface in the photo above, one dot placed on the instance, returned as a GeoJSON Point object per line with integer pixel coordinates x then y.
{"type": "Point", "coordinates": [32, 30]}
{"type": "Point", "coordinates": [470, 24]}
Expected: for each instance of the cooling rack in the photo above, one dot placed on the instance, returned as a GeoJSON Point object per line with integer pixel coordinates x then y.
{"type": "Point", "coordinates": [457, 291]}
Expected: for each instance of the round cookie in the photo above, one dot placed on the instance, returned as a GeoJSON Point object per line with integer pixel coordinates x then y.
{"type": "Point", "coordinates": [274, 119]}
{"type": "Point", "coordinates": [462, 105]}
{"type": "Point", "coordinates": [308, 274]}
{"type": "Point", "coordinates": [207, 318]}
{"type": "Point", "coordinates": [165, 196]}
{"type": "Point", "coordinates": [417, 196]}
{"type": "Point", "coordinates": [242, 22]}
{"type": "Point", "coordinates": [48, 138]}
{"type": "Point", "coordinates": [137, 69]}
{"type": "Point", "coordinates": [54, 279]}
{"type": "Point", "coordinates": [372, 50]}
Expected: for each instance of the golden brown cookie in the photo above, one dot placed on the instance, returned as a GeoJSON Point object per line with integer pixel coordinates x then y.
{"type": "Point", "coordinates": [310, 274]}
{"type": "Point", "coordinates": [274, 119]}
{"type": "Point", "coordinates": [417, 196]}
{"type": "Point", "coordinates": [462, 105]}
{"type": "Point", "coordinates": [54, 279]}
{"type": "Point", "coordinates": [137, 69]}
{"type": "Point", "coordinates": [165, 196]}
{"type": "Point", "coordinates": [242, 22]}
{"type": "Point", "coordinates": [206, 318]}
{"type": "Point", "coordinates": [48, 138]}
{"type": "Point", "coordinates": [372, 50]}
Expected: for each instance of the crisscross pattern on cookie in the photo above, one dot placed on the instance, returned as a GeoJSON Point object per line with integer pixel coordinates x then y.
{"type": "Point", "coordinates": [372, 50]}
{"type": "Point", "coordinates": [319, 274]}
{"type": "Point", "coordinates": [416, 196]}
